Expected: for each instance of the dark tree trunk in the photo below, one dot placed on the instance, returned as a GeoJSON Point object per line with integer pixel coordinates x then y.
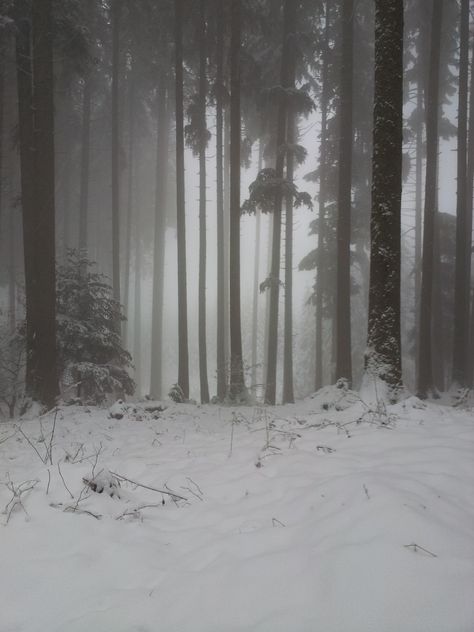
{"type": "Point", "coordinates": [44, 357]}
{"type": "Point", "coordinates": [320, 269]}
{"type": "Point", "coordinates": [129, 208]}
{"type": "Point", "coordinates": [115, 18]}
{"type": "Point", "coordinates": [85, 162]}
{"type": "Point", "coordinates": [469, 194]}
{"type": "Point", "coordinates": [383, 358]}
{"type": "Point", "coordinates": [237, 385]}
{"type": "Point", "coordinates": [156, 379]}
{"type": "Point", "coordinates": [418, 211]}
{"type": "Point", "coordinates": [462, 273]}
{"type": "Point", "coordinates": [256, 276]}
{"type": "Point", "coordinates": [226, 224]}
{"type": "Point", "coordinates": [202, 206]}
{"type": "Point", "coordinates": [183, 368]}
{"type": "Point", "coordinates": [12, 273]}
{"type": "Point", "coordinates": [221, 295]}
{"type": "Point", "coordinates": [286, 78]}
{"type": "Point", "coordinates": [343, 298]}
{"type": "Point", "coordinates": [288, 392]}
{"type": "Point", "coordinates": [137, 310]}
{"type": "Point", "coordinates": [425, 362]}
{"type": "Point", "coordinates": [25, 129]}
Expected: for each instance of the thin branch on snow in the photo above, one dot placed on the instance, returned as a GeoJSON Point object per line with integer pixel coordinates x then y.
{"type": "Point", "coordinates": [153, 489]}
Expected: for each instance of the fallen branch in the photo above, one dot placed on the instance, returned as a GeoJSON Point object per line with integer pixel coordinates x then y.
{"type": "Point", "coordinates": [153, 489]}
{"type": "Point", "coordinates": [415, 548]}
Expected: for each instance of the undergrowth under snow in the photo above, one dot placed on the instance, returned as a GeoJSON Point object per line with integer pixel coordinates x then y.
{"type": "Point", "coordinates": [327, 516]}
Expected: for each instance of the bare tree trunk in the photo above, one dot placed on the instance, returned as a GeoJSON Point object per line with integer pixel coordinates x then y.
{"type": "Point", "coordinates": [12, 272]}
{"type": "Point", "coordinates": [469, 195]}
{"type": "Point", "coordinates": [129, 209]}
{"type": "Point", "coordinates": [115, 18]}
{"type": "Point", "coordinates": [156, 379]}
{"type": "Point", "coordinates": [256, 277]}
{"type": "Point", "coordinates": [462, 274]}
{"type": "Point", "coordinates": [183, 369]}
{"type": "Point", "coordinates": [137, 317]}
{"type": "Point", "coordinates": [384, 357]}
{"type": "Point", "coordinates": [289, 18]}
{"type": "Point", "coordinates": [227, 245]}
{"type": "Point", "coordinates": [320, 272]}
{"type": "Point", "coordinates": [425, 361]}
{"type": "Point", "coordinates": [288, 393]}
{"type": "Point", "coordinates": [343, 302]}
{"type": "Point", "coordinates": [85, 162]}
{"type": "Point", "coordinates": [221, 295]}
{"type": "Point", "coordinates": [202, 207]}
{"type": "Point", "coordinates": [237, 385]}
{"type": "Point", "coordinates": [418, 212]}
{"type": "Point", "coordinates": [44, 357]}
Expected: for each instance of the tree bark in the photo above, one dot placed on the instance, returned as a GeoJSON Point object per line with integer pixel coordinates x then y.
{"type": "Point", "coordinates": [237, 384]}
{"type": "Point", "coordinates": [221, 294]}
{"type": "Point", "coordinates": [162, 170]}
{"type": "Point", "coordinates": [44, 356]}
{"type": "Point", "coordinates": [204, 384]}
{"type": "Point", "coordinates": [183, 360]}
{"type": "Point", "coordinates": [383, 357]}
{"type": "Point", "coordinates": [286, 69]}
{"type": "Point", "coordinates": [320, 270]}
{"type": "Point", "coordinates": [462, 274]}
{"type": "Point", "coordinates": [343, 296]}
{"type": "Point", "coordinates": [85, 162]}
{"type": "Point", "coordinates": [256, 277]}
{"type": "Point", "coordinates": [425, 361]}
{"type": "Point", "coordinates": [115, 19]}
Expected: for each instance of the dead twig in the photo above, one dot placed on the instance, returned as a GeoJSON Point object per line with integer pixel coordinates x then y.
{"type": "Point", "coordinates": [153, 489]}
{"type": "Point", "coordinates": [64, 482]}
{"type": "Point", "coordinates": [415, 547]}
{"type": "Point", "coordinates": [42, 459]}
{"type": "Point", "coordinates": [17, 492]}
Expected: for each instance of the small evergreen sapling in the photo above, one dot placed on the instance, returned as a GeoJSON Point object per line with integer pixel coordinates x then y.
{"type": "Point", "coordinates": [90, 348]}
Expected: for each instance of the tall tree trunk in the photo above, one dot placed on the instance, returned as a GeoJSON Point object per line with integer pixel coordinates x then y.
{"type": "Point", "coordinates": [85, 162]}
{"type": "Point", "coordinates": [343, 302]}
{"type": "Point", "coordinates": [115, 18]}
{"type": "Point", "coordinates": [44, 357]}
{"type": "Point", "coordinates": [256, 277]}
{"type": "Point", "coordinates": [425, 362]}
{"type": "Point", "coordinates": [202, 206]}
{"type": "Point", "coordinates": [461, 285]}
{"type": "Point", "coordinates": [384, 358]}
{"type": "Point", "coordinates": [288, 393]}
{"type": "Point", "coordinates": [320, 270]}
{"type": "Point", "coordinates": [226, 224]}
{"type": "Point", "coordinates": [221, 295]}
{"type": "Point", "coordinates": [161, 177]}
{"type": "Point", "coordinates": [25, 129]}
{"type": "Point", "coordinates": [237, 385]}
{"type": "Point", "coordinates": [129, 208]}
{"type": "Point", "coordinates": [418, 211]}
{"type": "Point", "coordinates": [12, 272]}
{"type": "Point", "coordinates": [289, 18]}
{"type": "Point", "coordinates": [469, 195]}
{"type": "Point", "coordinates": [137, 311]}
{"type": "Point", "coordinates": [183, 368]}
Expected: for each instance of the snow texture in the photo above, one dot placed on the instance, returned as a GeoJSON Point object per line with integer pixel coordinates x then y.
{"type": "Point", "coordinates": [296, 518]}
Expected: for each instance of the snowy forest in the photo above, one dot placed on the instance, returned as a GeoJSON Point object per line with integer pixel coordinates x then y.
{"type": "Point", "coordinates": [235, 234]}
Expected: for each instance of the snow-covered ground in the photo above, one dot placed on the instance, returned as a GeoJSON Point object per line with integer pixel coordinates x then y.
{"type": "Point", "coordinates": [300, 518]}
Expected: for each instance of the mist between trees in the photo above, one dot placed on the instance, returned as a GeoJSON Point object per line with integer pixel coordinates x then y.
{"type": "Point", "coordinates": [234, 201]}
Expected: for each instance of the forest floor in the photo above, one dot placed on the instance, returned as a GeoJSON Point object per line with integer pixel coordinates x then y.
{"type": "Point", "coordinates": [328, 515]}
